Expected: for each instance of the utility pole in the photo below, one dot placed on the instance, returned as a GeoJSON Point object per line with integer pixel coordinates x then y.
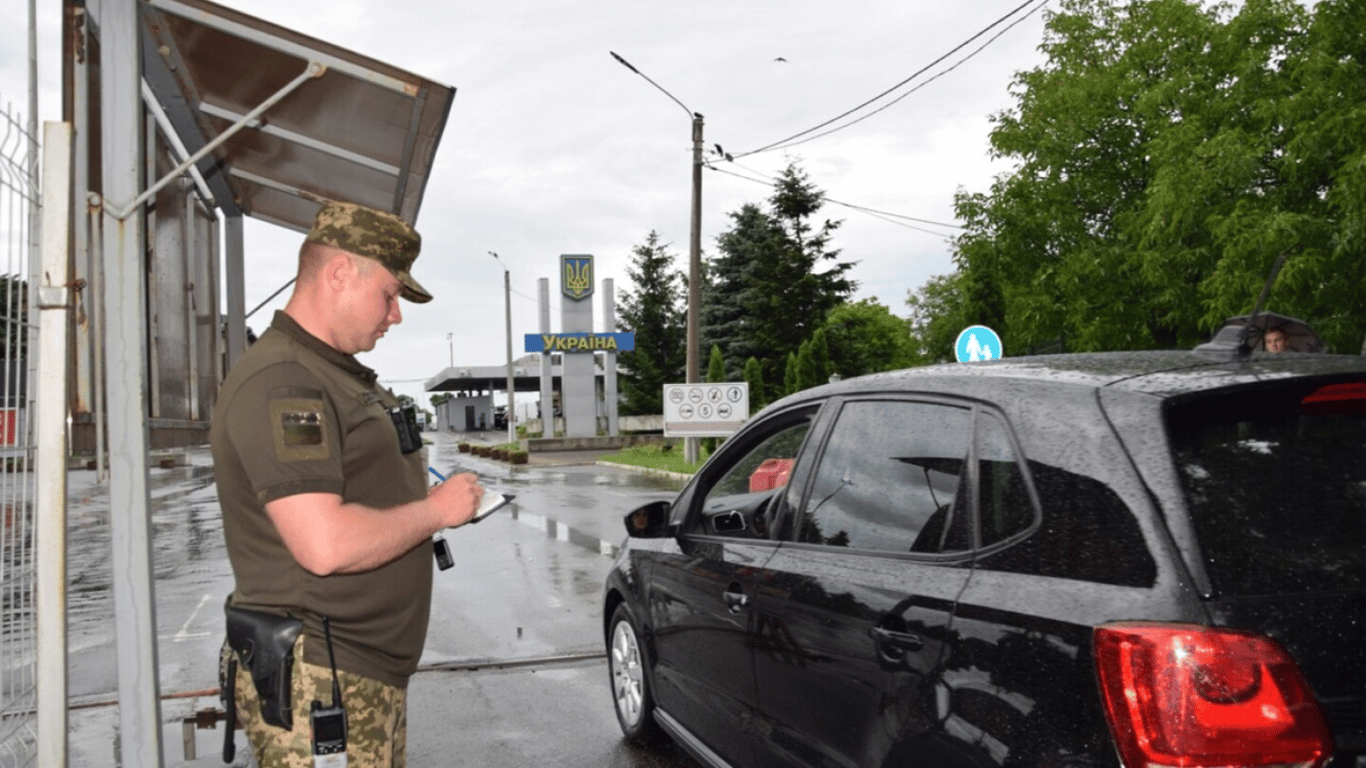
{"type": "Point", "coordinates": [690, 444]}
{"type": "Point", "coordinates": [510, 418]}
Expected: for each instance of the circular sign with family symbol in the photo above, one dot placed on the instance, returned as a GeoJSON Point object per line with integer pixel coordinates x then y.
{"type": "Point", "coordinates": [978, 342]}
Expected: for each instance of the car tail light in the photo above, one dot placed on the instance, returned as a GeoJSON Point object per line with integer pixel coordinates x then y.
{"type": "Point", "coordinates": [1348, 398]}
{"type": "Point", "coordinates": [1193, 696]}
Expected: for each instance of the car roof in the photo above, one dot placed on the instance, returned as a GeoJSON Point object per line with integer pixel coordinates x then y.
{"type": "Point", "coordinates": [1160, 373]}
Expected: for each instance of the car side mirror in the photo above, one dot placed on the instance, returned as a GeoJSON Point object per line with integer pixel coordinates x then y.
{"type": "Point", "coordinates": [649, 522]}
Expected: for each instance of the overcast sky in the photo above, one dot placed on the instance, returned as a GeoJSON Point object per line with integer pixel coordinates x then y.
{"type": "Point", "coordinates": [553, 147]}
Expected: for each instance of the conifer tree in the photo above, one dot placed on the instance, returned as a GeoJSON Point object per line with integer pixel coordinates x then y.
{"type": "Point", "coordinates": [655, 311]}
{"type": "Point", "coordinates": [758, 398]}
{"type": "Point", "coordinates": [775, 278]}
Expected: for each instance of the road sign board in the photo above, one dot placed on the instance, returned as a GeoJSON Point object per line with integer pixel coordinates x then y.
{"type": "Point", "coordinates": [978, 342]}
{"type": "Point", "coordinates": [705, 410]}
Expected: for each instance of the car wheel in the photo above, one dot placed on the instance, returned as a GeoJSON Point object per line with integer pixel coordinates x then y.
{"type": "Point", "coordinates": [630, 686]}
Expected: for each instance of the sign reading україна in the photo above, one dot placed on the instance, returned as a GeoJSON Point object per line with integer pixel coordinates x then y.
{"type": "Point", "coordinates": [580, 342]}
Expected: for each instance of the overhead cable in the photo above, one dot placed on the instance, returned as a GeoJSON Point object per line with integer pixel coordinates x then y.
{"type": "Point", "coordinates": [898, 219]}
{"type": "Point", "coordinates": [781, 143]}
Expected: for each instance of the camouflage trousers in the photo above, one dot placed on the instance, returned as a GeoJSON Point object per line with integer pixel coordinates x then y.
{"type": "Point", "coordinates": [376, 717]}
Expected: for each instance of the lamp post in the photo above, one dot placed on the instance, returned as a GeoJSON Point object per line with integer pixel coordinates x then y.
{"type": "Point", "coordinates": [450, 339]}
{"type": "Point", "coordinates": [510, 417]}
{"type": "Point", "coordinates": [690, 445]}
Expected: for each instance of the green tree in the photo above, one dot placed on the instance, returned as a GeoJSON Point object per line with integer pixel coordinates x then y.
{"type": "Point", "coordinates": [726, 314]}
{"type": "Point", "coordinates": [865, 337]}
{"type": "Point", "coordinates": [655, 310]}
{"type": "Point", "coordinates": [775, 278]}
{"type": "Point", "coordinates": [799, 285]}
{"type": "Point", "coordinates": [716, 366]}
{"type": "Point", "coordinates": [790, 374]}
{"type": "Point", "coordinates": [938, 312]}
{"type": "Point", "coordinates": [1164, 155]}
{"type": "Point", "coordinates": [808, 370]}
{"type": "Point", "coordinates": [820, 355]}
{"type": "Point", "coordinates": [754, 377]}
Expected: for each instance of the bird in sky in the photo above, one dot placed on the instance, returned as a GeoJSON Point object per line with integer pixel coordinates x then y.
{"type": "Point", "coordinates": [780, 58]}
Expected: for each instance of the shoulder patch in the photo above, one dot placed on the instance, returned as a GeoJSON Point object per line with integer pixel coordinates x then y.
{"type": "Point", "coordinates": [298, 427]}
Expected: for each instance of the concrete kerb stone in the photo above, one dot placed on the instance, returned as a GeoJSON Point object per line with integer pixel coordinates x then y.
{"type": "Point", "coordinates": [646, 470]}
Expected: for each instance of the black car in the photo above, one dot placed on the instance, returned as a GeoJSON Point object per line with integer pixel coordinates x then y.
{"type": "Point", "coordinates": [1137, 559]}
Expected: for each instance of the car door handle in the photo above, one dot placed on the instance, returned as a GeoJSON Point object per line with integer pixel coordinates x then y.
{"type": "Point", "coordinates": [905, 641]}
{"type": "Point", "coordinates": [735, 601]}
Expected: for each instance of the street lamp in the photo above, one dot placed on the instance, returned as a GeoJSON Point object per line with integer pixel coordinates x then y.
{"type": "Point", "coordinates": [450, 339]}
{"type": "Point", "coordinates": [507, 304]}
{"type": "Point", "coordinates": [694, 246]}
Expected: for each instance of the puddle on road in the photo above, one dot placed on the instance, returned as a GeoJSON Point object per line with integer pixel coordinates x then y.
{"type": "Point", "coordinates": [509, 478]}
{"type": "Point", "coordinates": [561, 532]}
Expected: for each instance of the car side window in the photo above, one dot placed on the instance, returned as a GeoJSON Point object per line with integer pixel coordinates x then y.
{"type": "Point", "coordinates": [740, 502]}
{"type": "Point", "coordinates": [1004, 507]}
{"type": "Point", "coordinates": [1087, 532]}
{"type": "Point", "coordinates": [889, 479]}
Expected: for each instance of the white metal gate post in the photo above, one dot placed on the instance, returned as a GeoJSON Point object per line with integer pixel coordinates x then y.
{"type": "Point", "coordinates": [122, 260]}
{"type": "Point", "coordinates": [54, 323]}
{"type": "Point", "coordinates": [234, 281]}
{"type": "Point", "coordinates": [609, 358]}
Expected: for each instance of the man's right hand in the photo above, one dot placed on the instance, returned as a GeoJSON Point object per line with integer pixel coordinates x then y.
{"type": "Point", "coordinates": [457, 499]}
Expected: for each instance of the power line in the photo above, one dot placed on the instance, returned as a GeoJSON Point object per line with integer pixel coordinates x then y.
{"type": "Point", "coordinates": [898, 99]}
{"type": "Point", "coordinates": [887, 216]}
{"type": "Point", "coordinates": [784, 142]}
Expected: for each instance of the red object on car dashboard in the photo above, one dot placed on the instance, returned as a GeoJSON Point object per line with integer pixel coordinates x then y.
{"type": "Point", "coordinates": [1196, 696]}
{"type": "Point", "coordinates": [772, 473]}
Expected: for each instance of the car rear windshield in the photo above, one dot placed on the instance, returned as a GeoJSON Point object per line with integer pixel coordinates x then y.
{"type": "Point", "coordinates": [1275, 479]}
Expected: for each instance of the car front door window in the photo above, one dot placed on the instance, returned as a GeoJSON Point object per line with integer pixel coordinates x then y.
{"type": "Point", "coordinates": [889, 478]}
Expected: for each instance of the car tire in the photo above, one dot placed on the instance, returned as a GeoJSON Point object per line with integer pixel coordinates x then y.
{"type": "Point", "coordinates": [631, 695]}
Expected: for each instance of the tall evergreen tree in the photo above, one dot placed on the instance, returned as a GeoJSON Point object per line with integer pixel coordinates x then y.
{"type": "Point", "coordinates": [790, 384]}
{"type": "Point", "coordinates": [758, 394]}
{"type": "Point", "coordinates": [727, 315]}
{"type": "Point", "coordinates": [655, 310]}
{"type": "Point", "coordinates": [775, 278]}
{"type": "Point", "coordinates": [808, 374]}
{"type": "Point", "coordinates": [716, 366]}
{"type": "Point", "coordinates": [820, 355]}
{"type": "Point", "coordinates": [798, 285]}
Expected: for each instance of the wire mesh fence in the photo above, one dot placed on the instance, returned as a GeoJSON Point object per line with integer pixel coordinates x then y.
{"type": "Point", "coordinates": [18, 631]}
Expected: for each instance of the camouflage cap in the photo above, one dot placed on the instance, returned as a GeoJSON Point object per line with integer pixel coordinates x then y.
{"type": "Point", "coordinates": [373, 234]}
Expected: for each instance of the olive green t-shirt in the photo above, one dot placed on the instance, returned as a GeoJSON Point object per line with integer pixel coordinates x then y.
{"type": "Point", "coordinates": [296, 416]}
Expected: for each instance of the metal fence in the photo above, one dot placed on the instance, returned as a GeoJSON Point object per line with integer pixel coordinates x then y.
{"type": "Point", "coordinates": [18, 630]}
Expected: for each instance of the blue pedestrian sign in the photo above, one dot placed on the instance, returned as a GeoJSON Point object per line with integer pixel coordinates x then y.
{"type": "Point", "coordinates": [978, 342]}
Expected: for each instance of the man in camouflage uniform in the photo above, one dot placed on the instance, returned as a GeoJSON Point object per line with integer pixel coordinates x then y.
{"type": "Point", "coordinates": [324, 515]}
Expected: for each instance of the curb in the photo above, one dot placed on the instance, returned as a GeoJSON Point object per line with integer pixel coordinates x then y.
{"type": "Point", "coordinates": [646, 470]}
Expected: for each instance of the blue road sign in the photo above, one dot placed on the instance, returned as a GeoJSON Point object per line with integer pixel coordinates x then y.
{"type": "Point", "coordinates": [978, 342]}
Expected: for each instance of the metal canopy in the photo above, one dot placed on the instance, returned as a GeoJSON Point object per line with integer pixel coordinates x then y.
{"type": "Point", "coordinates": [335, 125]}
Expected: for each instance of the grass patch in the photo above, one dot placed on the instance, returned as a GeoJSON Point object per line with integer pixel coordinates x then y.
{"type": "Point", "coordinates": [656, 456]}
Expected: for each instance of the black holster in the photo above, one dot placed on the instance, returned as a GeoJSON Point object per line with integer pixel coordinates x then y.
{"type": "Point", "coordinates": [264, 644]}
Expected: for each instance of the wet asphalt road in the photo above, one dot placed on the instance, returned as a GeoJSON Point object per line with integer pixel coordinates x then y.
{"type": "Point", "coordinates": [513, 672]}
